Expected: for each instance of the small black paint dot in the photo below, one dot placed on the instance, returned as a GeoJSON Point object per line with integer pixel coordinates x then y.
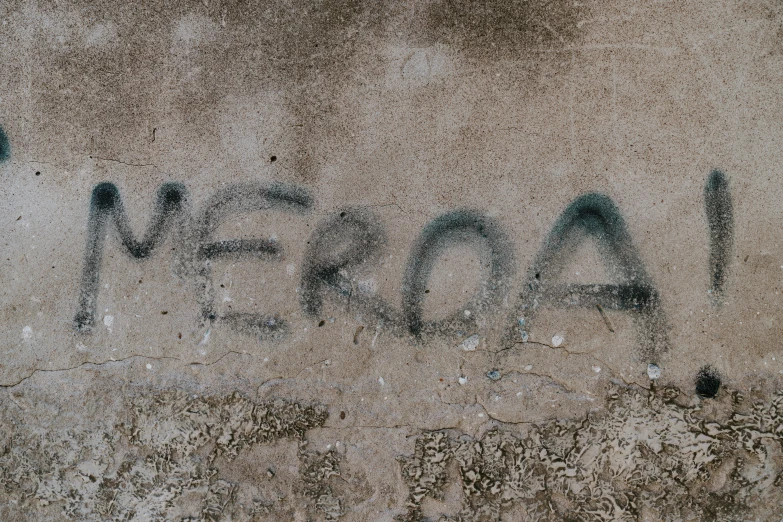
{"type": "Point", "coordinates": [179, 335]}
{"type": "Point", "coordinates": [211, 317]}
{"type": "Point", "coordinates": [538, 276]}
{"type": "Point", "coordinates": [104, 195]}
{"type": "Point", "coordinates": [222, 286]}
{"type": "Point", "coordinates": [38, 173]}
{"type": "Point", "coordinates": [342, 414]}
{"type": "Point", "coordinates": [342, 214]}
{"type": "Point", "coordinates": [321, 322]}
{"type": "Point", "coordinates": [139, 281]}
{"type": "Point", "coordinates": [164, 312]}
{"type": "Point", "coordinates": [707, 382]}
{"type": "Point", "coordinates": [172, 197]}
{"type": "Point", "coordinates": [273, 159]}
{"type": "Point", "coordinates": [427, 291]}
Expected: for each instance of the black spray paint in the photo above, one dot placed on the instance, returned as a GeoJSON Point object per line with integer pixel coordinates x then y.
{"type": "Point", "coordinates": [338, 247]}
{"type": "Point", "coordinates": [342, 244]}
{"type": "Point", "coordinates": [197, 249]}
{"type": "Point", "coordinates": [5, 146]}
{"type": "Point", "coordinates": [451, 229]}
{"type": "Point", "coordinates": [720, 217]}
{"type": "Point", "coordinates": [708, 382]}
{"type": "Point", "coordinates": [106, 208]}
{"type": "Point", "coordinates": [595, 216]}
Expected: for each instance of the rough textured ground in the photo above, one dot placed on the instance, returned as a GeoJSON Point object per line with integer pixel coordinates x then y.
{"type": "Point", "coordinates": [652, 454]}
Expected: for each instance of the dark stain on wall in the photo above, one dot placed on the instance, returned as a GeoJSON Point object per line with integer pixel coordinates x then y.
{"type": "Point", "coordinates": [504, 28]}
{"type": "Point", "coordinates": [114, 93]}
{"type": "Point", "coordinates": [300, 38]}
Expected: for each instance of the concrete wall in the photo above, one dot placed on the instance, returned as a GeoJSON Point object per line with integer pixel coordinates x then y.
{"type": "Point", "coordinates": [343, 259]}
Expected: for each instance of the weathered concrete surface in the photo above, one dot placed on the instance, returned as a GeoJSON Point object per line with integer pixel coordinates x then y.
{"type": "Point", "coordinates": [290, 260]}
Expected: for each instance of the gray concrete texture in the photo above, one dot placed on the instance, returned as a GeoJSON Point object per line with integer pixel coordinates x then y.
{"type": "Point", "coordinates": [368, 260]}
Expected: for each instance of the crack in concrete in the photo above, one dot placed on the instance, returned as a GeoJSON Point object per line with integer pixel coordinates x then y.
{"type": "Point", "coordinates": [110, 361]}
{"type": "Point", "coordinates": [85, 363]}
{"type": "Point", "coordinates": [196, 363]}
{"type": "Point", "coordinates": [564, 348]}
{"type": "Point", "coordinates": [124, 162]}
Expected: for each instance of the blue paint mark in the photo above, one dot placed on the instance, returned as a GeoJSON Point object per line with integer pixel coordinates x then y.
{"type": "Point", "coordinates": [5, 146]}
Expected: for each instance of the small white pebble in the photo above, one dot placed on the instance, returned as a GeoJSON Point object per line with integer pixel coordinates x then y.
{"type": "Point", "coordinates": [481, 415]}
{"type": "Point", "coordinates": [464, 380]}
{"type": "Point", "coordinates": [471, 343]}
{"type": "Point", "coordinates": [528, 367]}
{"type": "Point", "coordinates": [557, 340]}
{"type": "Point", "coordinates": [597, 369]}
{"type": "Point", "coordinates": [381, 381]}
{"type": "Point", "coordinates": [108, 320]}
{"type": "Point", "coordinates": [653, 371]}
{"type": "Point", "coordinates": [519, 394]}
{"type": "Point", "coordinates": [149, 366]}
{"type": "Point", "coordinates": [27, 332]}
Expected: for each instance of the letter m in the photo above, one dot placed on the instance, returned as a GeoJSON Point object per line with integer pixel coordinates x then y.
{"type": "Point", "coordinates": [106, 209]}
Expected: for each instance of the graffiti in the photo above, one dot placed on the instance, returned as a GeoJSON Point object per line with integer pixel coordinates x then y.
{"type": "Point", "coordinates": [351, 241]}
{"type": "Point", "coordinates": [106, 209]}
{"type": "Point", "coordinates": [720, 217]}
{"type": "Point", "coordinates": [355, 237]}
{"type": "Point", "coordinates": [708, 382]}
{"type": "Point", "coordinates": [452, 228]}
{"type": "Point", "coordinates": [5, 146]}
{"type": "Point", "coordinates": [197, 250]}
{"type": "Point", "coordinates": [595, 216]}
{"type": "Point", "coordinates": [338, 245]}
